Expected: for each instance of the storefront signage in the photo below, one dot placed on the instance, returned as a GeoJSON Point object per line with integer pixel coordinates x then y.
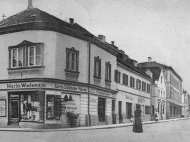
{"type": "Point", "coordinates": [129, 97]}
{"type": "Point", "coordinates": [100, 92]}
{"type": "Point", "coordinates": [2, 108]}
{"type": "Point", "coordinates": [25, 85]}
{"type": "Point", "coordinates": [141, 100]}
{"type": "Point", "coordinates": [70, 87]}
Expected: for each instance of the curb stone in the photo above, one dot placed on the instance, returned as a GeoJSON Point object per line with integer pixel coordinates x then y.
{"type": "Point", "coordinates": [87, 128]}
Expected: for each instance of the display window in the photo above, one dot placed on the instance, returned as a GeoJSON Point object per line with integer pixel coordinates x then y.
{"type": "Point", "coordinates": [31, 105]}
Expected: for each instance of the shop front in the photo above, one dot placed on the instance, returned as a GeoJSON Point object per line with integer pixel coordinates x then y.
{"type": "Point", "coordinates": [40, 104]}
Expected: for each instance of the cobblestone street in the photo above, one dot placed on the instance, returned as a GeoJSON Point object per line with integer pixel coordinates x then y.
{"type": "Point", "coordinates": [174, 131]}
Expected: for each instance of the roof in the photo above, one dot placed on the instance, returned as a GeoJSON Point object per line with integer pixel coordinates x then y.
{"type": "Point", "coordinates": [36, 19]}
{"type": "Point", "coordinates": [128, 63]}
{"type": "Point", "coordinates": [37, 15]}
{"type": "Point", "coordinates": [155, 71]}
{"type": "Point", "coordinates": [155, 64]}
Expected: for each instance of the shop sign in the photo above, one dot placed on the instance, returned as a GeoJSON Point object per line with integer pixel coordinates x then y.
{"type": "Point", "coordinates": [70, 87]}
{"type": "Point", "coordinates": [2, 108]}
{"type": "Point", "coordinates": [129, 97]}
{"type": "Point", "coordinates": [100, 92]}
{"type": "Point", "coordinates": [25, 85]}
{"type": "Point", "coordinates": [141, 100]}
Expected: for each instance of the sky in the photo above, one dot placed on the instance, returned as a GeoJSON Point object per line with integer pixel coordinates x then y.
{"type": "Point", "coordinates": [142, 28]}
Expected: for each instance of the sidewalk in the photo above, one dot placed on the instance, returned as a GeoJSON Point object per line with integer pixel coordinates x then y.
{"type": "Point", "coordinates": [87, 128]}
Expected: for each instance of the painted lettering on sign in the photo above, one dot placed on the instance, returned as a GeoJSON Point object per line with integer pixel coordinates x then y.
{"type": "Point", "coordinates": [129, 98]}
{"type": "Point", "coordinates": [100, 92]}
{"type": "Point", "coordinates": [25, 85]}
{"type": "Point", "coordinates": [70, 87]}
{"type": "Point", "coordinates": [141, 100]}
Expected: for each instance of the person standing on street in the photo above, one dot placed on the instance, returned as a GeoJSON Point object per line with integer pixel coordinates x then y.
{"type": "Point", "coordinates": [137, 125]}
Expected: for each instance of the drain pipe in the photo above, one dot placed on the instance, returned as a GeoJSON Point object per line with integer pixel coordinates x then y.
{"type": "Point", "coordinates": [89, 60]}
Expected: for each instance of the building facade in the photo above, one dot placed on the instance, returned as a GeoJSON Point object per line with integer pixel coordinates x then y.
{"type": "Point", "coordinates": [133, 86]}
{"type": "Point", "coordinates": [173, 84]}
{"type": "Point", "coordinates": [185, 109]}
{"type": "Point", "coordinates": [158, 91]}
{"type": "Point", "coordinates": [50, 67]}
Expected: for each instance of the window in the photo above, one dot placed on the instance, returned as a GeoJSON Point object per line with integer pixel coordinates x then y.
{"type": "Point", "coordinates": [132, 82]}
{"type": "Point", "coordinates": [72, 59]}
{"type": "Point", "coordinates": [26, 54]}
{"type": "Point", "coordinates": [138, 84]}
{"type": "Point", "coordinates": [108, 71]}
{"type": "Point", "coordinates": [125, 79]}
{"type": "Point", "coordinates": [97, 67]}
{"type": "Point", "coordinates": [147, 109]}
{"type": "Point", "coordinates": [148, 88]}
{"type": "Point", "coordinates": [17, 57]}
{"type": "Point", "coordinates": [143, 86]}
{"type": "Point", "coordinates": [117, 76]}
{"type": "Point", "coordinates": [34, 56]}
{"type": "Point", "coordinates": [50, 106]}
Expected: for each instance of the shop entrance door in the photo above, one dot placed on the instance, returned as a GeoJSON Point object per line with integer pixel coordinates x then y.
{"type": "Point", "coordinates": [13, 112]}
{"type": "Point", "coordinates": [120, 112]}
{"type": "Point", "coordinates": [101, 109]}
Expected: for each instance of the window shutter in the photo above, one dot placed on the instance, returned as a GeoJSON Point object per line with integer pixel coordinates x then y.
{"type": "Point", "coordinates": [106, 71]}
{"type": "Point", "coordinates": [110, 73]}
{"type": "Point", "coordinates": [77, 61]}
{"type": "Point", "coordinates": [115, 75]}
{"type": "Point", "coordinates": [42, 54]}
{"type": "Point", "coordinates": [119, 76]}
{"type": "Point", "coordinates": [9, 57]}
{"type": "Point", "coordinates": [67, 59]}
{"type": "Point", "coordinates": [123, 78]}
{"type": "Point", "coordinates": [27, 56]}
{"type": "Point", "coordinates": [99, 68]}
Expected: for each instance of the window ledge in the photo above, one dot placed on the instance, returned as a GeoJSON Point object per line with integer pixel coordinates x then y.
{"type": "Point", "coordinates": [22, 68]}
{"type": "Point", "coordinates": [70, 71]}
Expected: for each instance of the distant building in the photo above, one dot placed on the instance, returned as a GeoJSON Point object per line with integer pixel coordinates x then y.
{"type": "Point", "coordinates": [173, 84]}
{"type": "Point", "coordinates": [158, 91]}
{"type": "Point", "coordinates": [185, 104]}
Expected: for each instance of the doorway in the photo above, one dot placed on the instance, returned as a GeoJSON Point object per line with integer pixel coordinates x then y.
{"type": "Point", "coordinates": [14, 112]}
{"type": "Point", "coordinates": [101, 109]}
{"type": "Point", "coordinates": [120, 112]}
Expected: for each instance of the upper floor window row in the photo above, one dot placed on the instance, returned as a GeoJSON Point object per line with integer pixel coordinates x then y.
{"type": "Point", "coordinates": [125, 79]}
{"type": "Point", "coordinates": [138, 84]}
{"type": "Point", "coordinates": [143, 86]}
{"type": "Point", "coordinates": [26, 54]}
{"type": "Point", "coordinates": [108, 71]}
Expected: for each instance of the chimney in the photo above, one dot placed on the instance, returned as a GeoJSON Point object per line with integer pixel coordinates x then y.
{"type": "Point", "coordinates": [149, 59]}
{"type": "Point", "coordinates": [102, 38]}
{"type": "Point", "coordinates": [71, 21]}
{"type": "Point", "coordinates": [112, 42]}
{"type": "Point", "coordinates": [29, 5]}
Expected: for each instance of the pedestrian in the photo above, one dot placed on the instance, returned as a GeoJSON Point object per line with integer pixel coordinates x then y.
{"type": "Point", "coordinates": [137, 124]}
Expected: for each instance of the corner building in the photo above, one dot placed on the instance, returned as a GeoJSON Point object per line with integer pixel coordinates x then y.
{"type": "Point", "coordinates": [49, 67]}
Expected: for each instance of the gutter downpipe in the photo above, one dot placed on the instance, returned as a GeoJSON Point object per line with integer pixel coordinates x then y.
{"type": "Point", "coordinates": [89, 57]}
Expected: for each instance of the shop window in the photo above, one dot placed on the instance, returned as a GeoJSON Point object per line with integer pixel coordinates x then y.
{"type": "Point", "coordinates": [108, 72]}
{"type": "Point", "coordinates": [26, 54]}
{"type": "Point", "coordinates": [32, 106]}
{"type": "Point", "coordinates": [97, 67]}
{"type": "Point", "coordinates": [147, 109]}
{"type": "Point", "coordinates": [128, 110]}
{"type": "Point", "coordinates": [72, 59]}
{"type": "Point", "coordinates": [50, 106]}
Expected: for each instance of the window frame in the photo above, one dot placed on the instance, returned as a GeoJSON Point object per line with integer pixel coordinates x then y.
{"type": "Point", "coordinates": [76, 60]}
{"type": "Point", "coordinates": [125, 79]}
{"type": "Point", "coordinates": [117, 76]}
{"type": "Point", "coordinates": [34, 56]}
{"type": "Point", "coordinates": [108, 71]}
{"type": "Point", "coordinates": [17, 53]}
{"type": "Point", "coordinates": [97, 60]}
